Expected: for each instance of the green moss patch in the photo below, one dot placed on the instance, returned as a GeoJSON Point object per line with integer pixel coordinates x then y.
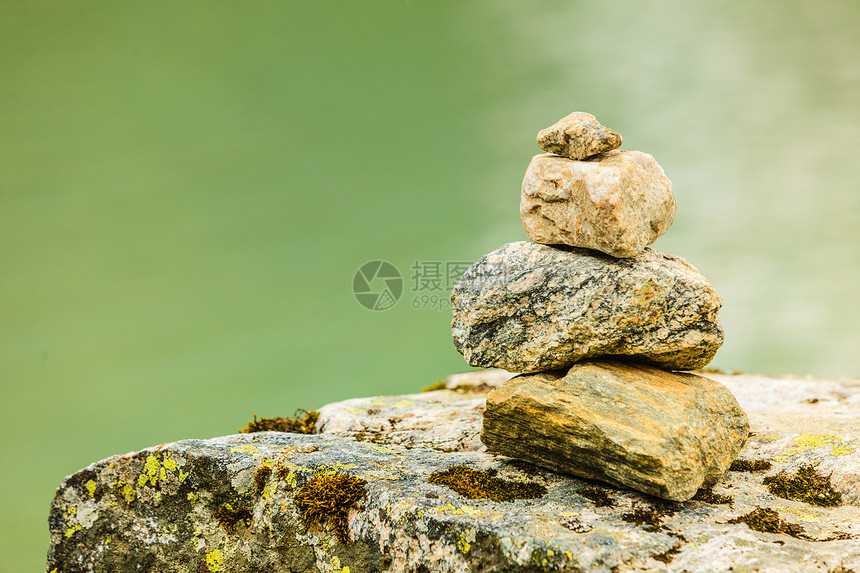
{"type": "Point", "coordinates": [599, 497]}
{"type": "Point", "coordinates": [475, 484]}
{"type": "Point", "coordinates": [749, 466]}
{"type": "Point", "coordinates": [707, 495]}
{"type": "Point", "coordinates": [300, 424]}
{"type": "Point", "coordinates": [807, 485]}
{"type": "Point", "coordinates": [329, 497]}
{"type": "Point", "coordinates": [768, 521]}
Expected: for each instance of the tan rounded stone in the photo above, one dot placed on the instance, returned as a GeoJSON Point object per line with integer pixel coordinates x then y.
{"type": "Point", "coordinates": [578, 136]}
{"type": "Point", "coordinates": [617, 203]}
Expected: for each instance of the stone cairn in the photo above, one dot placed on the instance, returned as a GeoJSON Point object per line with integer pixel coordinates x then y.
{"type": "Point", "coordinates": [599, 326]}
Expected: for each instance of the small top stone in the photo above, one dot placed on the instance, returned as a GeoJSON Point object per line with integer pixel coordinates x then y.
{"type": "Point", "coordinates": [578, 136]}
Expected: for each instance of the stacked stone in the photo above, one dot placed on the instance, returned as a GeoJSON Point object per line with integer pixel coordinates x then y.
{"type": "Point", "coordinates": [599, 324]}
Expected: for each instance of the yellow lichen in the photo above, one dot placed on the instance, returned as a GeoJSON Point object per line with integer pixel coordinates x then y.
{"type": "Point", "coordinates": [126, 491]}
{"type": "Point", "coordinates": [150, 471]}
{"type": "Point", "coordinates": [333, 468]}
{"type": "Point", "coordinates": [842, 451]}
{"type": "Point", "coordinates": [192, 497]}
{"type": "Point", "coordinates": [91, 488]}
{"type": "Point", "coordinates": [464, 542]}
{"type": "Point", "coordinates": [169, 462]}
{"type": "Point", "coordinates": [215, 561]}
{"type": "Point", "coordinates": [462, 510]}
{"type": "Point", "coordinates": [72, 529]}
{"type": "Point", "coordinates": [183, 475]}
{"type": "Point", "coordinates": [291, 479]}
{"type": "Point", "coordinates": [806, 516]}
{"type": "Point", "coordinates": [806, 442]}
{"type": "Point", "coordinates": [246, 449]}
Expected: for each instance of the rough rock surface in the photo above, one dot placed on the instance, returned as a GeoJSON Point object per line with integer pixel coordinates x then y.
{"type": "Point", "coordinates": [531, 308]}
{"type": "Point", "coordinates": [577, 136]}
{"type": "Point", "coordinates": [663, 433]}
{"type": "Point", "coordinates": [446, 421]}
{"type": "Point", "coordinates": [164, 509]}
{"type": "Point", "coordinates": [617, 203]}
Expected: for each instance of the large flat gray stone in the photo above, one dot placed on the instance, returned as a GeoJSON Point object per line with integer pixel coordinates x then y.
{"type": "Point", "coordinates": [156, 510]}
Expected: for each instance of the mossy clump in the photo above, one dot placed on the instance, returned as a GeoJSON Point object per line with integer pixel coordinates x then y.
{"type": "Point", "coordinates": [807, 485]}
{"type": "Point", "coordinates": [475, 484]}
{"type": "Point", "coordinates": [599, 497]}
{"type": "Point", "coordinates": [440, 385]}
{"type": "Point", "coordinates": [707, 495]}
{"type": "Point", "coordinates": [749, 465]}
{"type": "Point", "coordinates": [261, 478]}
{"type": "Point", "coordinates": [650, 516]}
{"type": "Point", "coordinates": [330, 497]}
{"type": "Point", "coordinates": [300, 424]}
{"type": "Point", "coordinates": [481, 388]}
{"type": "Point", "coordinates": [723, 371]}
{"type": "Point", "coordinates": [228, 516]}
{"type": "Point", "coordinates": [526, 468]}
{"type": "Point", "coordinates": [768, 521]}
{"type": "Point", "coordinates": [668, 555]}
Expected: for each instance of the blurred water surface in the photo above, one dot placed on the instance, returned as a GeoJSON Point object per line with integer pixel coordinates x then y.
{"type": "Point", "coordinates": [186, 191]}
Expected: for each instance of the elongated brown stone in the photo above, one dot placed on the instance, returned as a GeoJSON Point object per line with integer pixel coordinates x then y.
{"type": "Point", "coordinates": [663, 433]}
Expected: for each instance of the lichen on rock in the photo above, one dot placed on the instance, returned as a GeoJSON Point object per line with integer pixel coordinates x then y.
{"type": "Point", "coordinates": [106, 518]}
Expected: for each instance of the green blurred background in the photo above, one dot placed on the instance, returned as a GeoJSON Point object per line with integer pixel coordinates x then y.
{"type": "Point", "coordinates": [187, 189]}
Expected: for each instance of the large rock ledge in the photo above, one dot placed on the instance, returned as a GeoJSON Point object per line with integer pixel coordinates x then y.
{"type": "Point", "coordinates": [227, 504]}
